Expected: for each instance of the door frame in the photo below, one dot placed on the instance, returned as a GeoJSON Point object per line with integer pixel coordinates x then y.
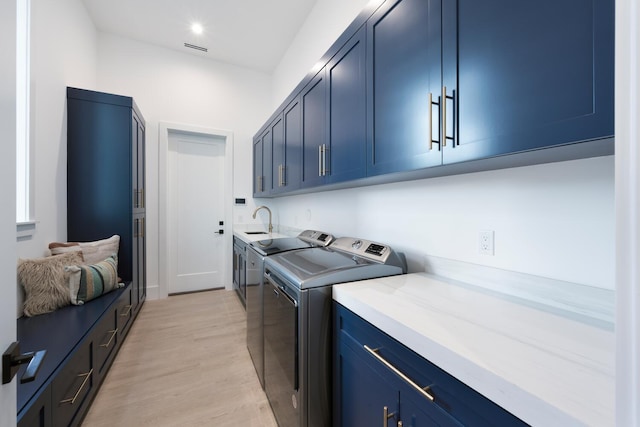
{"type": "Point", "coordinates": [163, 199]}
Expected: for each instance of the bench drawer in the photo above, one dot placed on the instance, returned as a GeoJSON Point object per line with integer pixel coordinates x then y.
{"type": "Point", "coordinates": [72, 386]}
{"type": "Point", "coordinates": [124, 307]}
{"type": "Point", "coordinates": [105, 340]}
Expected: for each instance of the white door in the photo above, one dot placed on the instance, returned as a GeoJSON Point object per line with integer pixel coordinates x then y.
{"type": "Point", "coordinates": [8, 196]}
{"type": "Point", "coordinates": [196, 207]}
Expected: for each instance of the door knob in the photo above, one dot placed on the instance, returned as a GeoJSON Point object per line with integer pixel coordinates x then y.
{"type": "Point", "coordinates": [12, 359]}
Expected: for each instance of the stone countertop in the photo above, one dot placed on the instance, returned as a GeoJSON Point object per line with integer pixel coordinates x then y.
{"type": "Point", "coordinates": [545, 368]}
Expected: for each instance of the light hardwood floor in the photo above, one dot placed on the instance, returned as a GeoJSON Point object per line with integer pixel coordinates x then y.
{"type": "Point", "coordinates": [184, 363]}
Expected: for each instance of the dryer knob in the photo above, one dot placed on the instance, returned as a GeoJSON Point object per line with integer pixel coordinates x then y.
{"type": "Point", "coordinates": [356, 244]}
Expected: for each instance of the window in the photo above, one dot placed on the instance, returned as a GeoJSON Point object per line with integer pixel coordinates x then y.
{"type": "Point", "coordinates": [23, 182]}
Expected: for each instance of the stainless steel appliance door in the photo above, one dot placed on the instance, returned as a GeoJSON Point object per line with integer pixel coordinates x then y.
{"type": "Point", "coordinates": [255, 336]}
{"type": "Point", "coordinates": [281, 352]}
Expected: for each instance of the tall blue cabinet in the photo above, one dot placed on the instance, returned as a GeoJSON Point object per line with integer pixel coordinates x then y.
{"type": "Point", "coordinates": [106, 179]}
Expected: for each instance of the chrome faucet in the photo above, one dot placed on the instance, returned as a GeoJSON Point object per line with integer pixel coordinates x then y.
{"type": "Point", "coordinates": [268, 210]}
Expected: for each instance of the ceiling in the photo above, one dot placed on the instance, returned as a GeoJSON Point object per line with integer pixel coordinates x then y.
{"type": "Point", "coordinates": [250, 33]}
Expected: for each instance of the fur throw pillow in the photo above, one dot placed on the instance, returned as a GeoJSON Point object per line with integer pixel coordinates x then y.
{"type": "Point", "coordinates": [45, 282]}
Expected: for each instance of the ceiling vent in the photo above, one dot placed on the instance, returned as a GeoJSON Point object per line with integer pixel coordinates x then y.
{"type": "Point", "coordinates": [192, 46]}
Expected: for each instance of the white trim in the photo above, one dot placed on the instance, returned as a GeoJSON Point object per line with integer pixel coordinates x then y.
{"type": "Point", "coordinates": [25, 229]}
{"type": "Point", "coordinates": [627, 158]}
{"type": "Point", "coordinates": [24, 173]}
{"type": "Point", "coordinates": [163, 136]}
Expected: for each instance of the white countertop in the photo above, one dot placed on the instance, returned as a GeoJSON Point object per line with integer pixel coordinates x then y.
{"type": "Point", "coordinates": [545, 368]}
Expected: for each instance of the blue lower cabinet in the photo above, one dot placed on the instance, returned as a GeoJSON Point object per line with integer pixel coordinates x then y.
{"type": "Point", "coordinates": [38, 413]}
{"type": "Point", "coordinates": [379, 381]}
{"type": "Point", "coordinates": [364, 392]}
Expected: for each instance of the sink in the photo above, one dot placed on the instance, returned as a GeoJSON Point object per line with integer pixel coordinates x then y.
{"type": "Point", "coordinates": [255, 232]}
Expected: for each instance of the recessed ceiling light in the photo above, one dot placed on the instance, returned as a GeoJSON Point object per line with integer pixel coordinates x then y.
{"type": "Point", "coordinates": [197, 28]}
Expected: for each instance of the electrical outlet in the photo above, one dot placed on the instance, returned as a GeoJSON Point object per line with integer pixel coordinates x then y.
{"type": "Point", "coordinates": [485, 242]}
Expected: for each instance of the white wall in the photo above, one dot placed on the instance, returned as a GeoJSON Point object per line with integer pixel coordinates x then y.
{"type": "Point", "coordinates": [554, 220]}
{"type": "Point", "coordinates": [63, 40]}
{"type": "Point", "coordinates": [627, 213]}
{"type": "Point", "coordinates": [326, 21]}
{"type": "Point", "coordinates": [7, 195]}
{"type": "Point", "coordinates": [63, 54]}
{"type": "Point", "coordinates": [175, 87]}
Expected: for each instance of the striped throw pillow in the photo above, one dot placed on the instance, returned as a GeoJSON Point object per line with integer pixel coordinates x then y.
{"type": "Point", "coordinates": [87, 282]}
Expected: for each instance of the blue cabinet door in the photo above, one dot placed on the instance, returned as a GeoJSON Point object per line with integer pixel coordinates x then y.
{"type": "Point", "coordinates": [364, 391]}
{"type": "Point", "coordinates": [262, 159]}
{"type": "Point", "coordinates": [346, 95]}
{"type": "Point", "coordinates": [417, 411]}
{"type": "Point", "coordinates": [257, 166]}
{"type": "Point", "coordinates": [364, 385]}
{"type": "Point", "coordinates": [314, 141]}
{"type": "Point", "coordinates": [289, 173]}
{"type": "Point", "coordinates": [278, 156]}
{"type": "Point", "coordinates": [404, 68]}
{"type": "Point", "coordinates": [526, 75]}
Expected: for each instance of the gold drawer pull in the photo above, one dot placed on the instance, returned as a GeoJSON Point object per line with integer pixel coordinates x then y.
{"type": "Point", "coordinates": [128, 307]}
{"type": "Point", "coordinates": [75, 396]}
{"type": "Point", "coordinates": [424, 391]}
{"type": "Point", "coordinates": [113, 334]}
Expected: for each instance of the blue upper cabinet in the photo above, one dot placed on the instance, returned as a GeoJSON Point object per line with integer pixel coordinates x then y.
{"type": "Point", "coordinates": [262, 158]}
{"type": "Point", "coordinates": [257, 166]}
{"type": "Point", "coordinates": [287, 147]}
{"type": "Point", "coordinates": [404, 67]}
{"type": "Point", "coordinates": [334, 118]}
{"type": "Point", "coordinates": [314, 135]}
{"type": "Point", "coordinates": [422, 88]}
{"type": "Point", "coordinates": [344, 157]}
{"type": "Point", "coordinates": [485, 79]}
{"type": "Point", "coordinates": [278, 156]}
{"type": "Point", "coordinates": [526, 75]}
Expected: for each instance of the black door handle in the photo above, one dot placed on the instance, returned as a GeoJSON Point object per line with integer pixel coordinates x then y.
{"type": "Point", "coordinates": [221, 231]}
{"type": "Point", "coordinates": [12, 359]}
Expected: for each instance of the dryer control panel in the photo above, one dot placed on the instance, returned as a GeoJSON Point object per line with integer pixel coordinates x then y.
{"type": "Point", "coordinates": [363, 248]}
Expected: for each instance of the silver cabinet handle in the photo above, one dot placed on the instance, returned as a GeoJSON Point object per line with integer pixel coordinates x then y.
{"type": "Point", "coordinates": [422, 390]}
{"type": "Point", "coordinates": [322, 160]}
{"type": "Point", "coordinates": [431, 103]}
{"type": "Point", "coordinates": [386, 415]}
{"type": "Point", "coordinates": [282, 180]}
{"type": "Point", "coordinates": [444, 116]}
{"type": "Point", "coordinates": [443, 101]}
{"type": "Point", "coordinates": [325, 150]}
